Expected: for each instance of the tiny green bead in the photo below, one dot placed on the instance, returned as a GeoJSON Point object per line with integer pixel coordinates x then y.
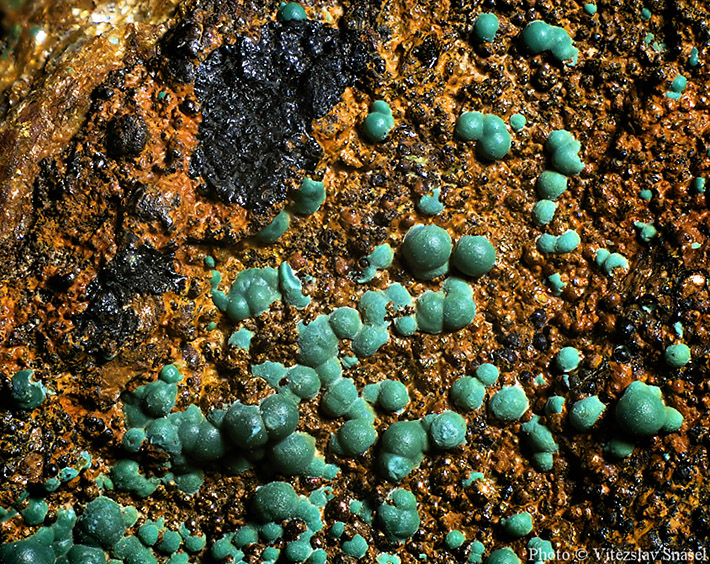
{"type": "Point", "coordinates": [590, 9]}
{"type": "Point", "coordinates": [133, 439]}
{"type": "Point", "coordinates": [541, 550]}
{"type": "Point", "coordinates": [645, 14]}
{"type": "Point", "coordinates": [393, 395]}
{"type": "Point", "coordinates": [518, 525]}
{"type": "Point", "coordinates": [677, 356]}
{"type": "Point", "coordinates": [468, 393]}
{"type": "Point", "coordinates": [81, 554]}
{"type": "Point", "coordinates": [303, 382]}
{"type": "Point", "coordinates": [551, 185]}
{"type": "Point", "coordinates": [619, 448]}
{"type": "Point", "coordinates": [35, 512]}
{"type": "Point", "coordinates": [148, 533]}
{"type": "Point", "coordinates": [586, 412]}
{"type": "Point", "coordinates": [640, 411]}
{"type": "Point", "coordinates": [567, 242]}
{"type": "Point", "coordinates": [474, 255]}
{"type": "Point", "coordinates": [426, 249]}
{"type": "Point", "coordinates": [509, 403]}
{"type": "Point", "coordinates": [275, 501]}
{"type": "Point", "coordinates": [294, 454]}
{"type": "Point", "coordinates": [101, 524]}
{"type": "Point", "coordinates": [544, 212]}
{"type": "Point", "coordinates": [454, 539]}
{"type": "Point", "coordinates": [345, 322]}
{"type": "Point", "coordinates": [354, 437]}
{"type": "Point", "coordinates": [378, 122]}
{"type": "Point", "coordinates": [309, 198]}
{"type": "Point", "coordinates": [280, 416]}
{"type": "Point", "coordinates": [291, 12]}
{"type": "Point", "coordinates": [485, 27]}
{"type": "Point", "coordinates": [245, 426]}
{"type": "Point", "coordinates": [357, 547]}
{"type": "Point", "coordinates": [339, 398]}
{"type": "Point", "coordinates": [278, 226]}
{"type": "Point", "coordinates": [448, 430]}
{"type": "Point", "coordinates": [554, 405]}
{"type": "Point", "coordinates": [170, 542]}
{"type": "Point", "coordinates": [517, 122]}
{"type": "Point", "coordinates": [170, 374]}
{"type": "Point", "coordinates": [487, 373]}
{"type": "Point", "coordinates": [567, 359]}
{"type": "Point", "coordinates": [469, 126]}
{"type": "Point", "coordinates": [503, 556]}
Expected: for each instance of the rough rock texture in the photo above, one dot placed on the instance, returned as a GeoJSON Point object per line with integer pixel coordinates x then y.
{"type": "Point", "coordinates": [114, 191]}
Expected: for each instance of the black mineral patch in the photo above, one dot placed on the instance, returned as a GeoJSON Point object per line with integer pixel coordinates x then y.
{"type": "Point", "coordinates": [109, 320]}
{"type": "Point", "coordinates": [127, 136]}
{"type": "Point", "coordinates": [258, 101]}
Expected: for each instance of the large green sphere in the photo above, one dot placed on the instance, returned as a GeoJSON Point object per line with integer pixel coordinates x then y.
{"type": "Point", "coordinates": [427, 249]}
{"type": "Point", "coordinates": [474, 255]}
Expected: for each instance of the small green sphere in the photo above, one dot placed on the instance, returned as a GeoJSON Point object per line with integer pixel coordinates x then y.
{"type": "Point", "coordinates": [474, 255]}
{"type": "Point", "coordinates": [26, 552]}
{"type": "Point", "coordinates": [567, 242]}
{"type": "Point", "coordinates": [291, 12]}
{"type": "Point", "coordinates": [294, 454]}
{"type": "Point", "coordinates": [517, 122]}
{"type": "Point", "coordinates": [393, 395]}
{"type": "Point", "coordinates": [485, 27]}
{"type": "Point", "coordinates": [677, 356]}
{"type": "Point", "coordinates": [640, 411]}
{"type": "Point", "coordinates": [586, 412]}
{"type": "Point", "coordinates": [468, 393]}
{"type": "Point", "coordinates": [518, 525]}
{"type": "Point", "coordinates": [544, 212]}
{"type": "Point", "coordinates": [448, 430]}
{"type": "Point", "coordinates": [427, 249]}
{"type": "Point", "coordinates": [81, 554]}
{"type": "Point", "coordinates": [170, 374]}
{"type": "Point", "coordinates": [487, 373]}
{"type": "Point", "coordinates": [567, 359]}
{"type": "Point", "coordinates": [275, 502]}
{"type": "Point", "coordinates": [102, 523]}
{"type": "Point", "coordinates": [376, 127]}
{"type": "Point", "coordinates": [280, 416]}
{"type": "Point", "coordinates": [354, 437]}
{"type": "Point", "coordinates": [509, 403]}
{"type": "Point", "coordinates": [455, 539]}
{"type": "Point", "coordinates": [469, 126]}
{"type": "Point", "coordinates": [551, 185]}
{"type": "Point", "coordinates": [245, 426]}
{"type": "Point", "coordinates": [503, 556]}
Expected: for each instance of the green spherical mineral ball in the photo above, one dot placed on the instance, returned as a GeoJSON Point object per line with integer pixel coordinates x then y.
{"type": "Point", "coordinates": [291, 12]}
{"type": "Point", "coordinates": [280, 416]}
{"type": "Point", "coordinates": [567, 359]}
{"type": "Point", "coordinates": [509, 403]}
{"type": "Point", "coordinates": [448, 430]}
{"type": "Point", "coordinates": [275, 502]}
{"type": "Point", "coordinates": [503, 556]}
{"type": "Point", "coordinates": [474, 255]}
{"type": "Point", "coordinates": [469, 126]}
{"type": "Point", "coordinates": [518, 525]}
{"type": "Point", "coordinates": [426, 249]}
{"type": "Point", "coordinates": [102, 523]}
{"type": "Point", "coordinates": [455, 539]}
{"type": "Point", "coordinates": [468, 393]}
{"type": "Point", "coordinates": [677, 356]}
{"type": "Point", "coordinates": [640, 411]}
{"type": "Point", "coordinates": [393, 395]}
{"type": "Point", "coordinates": [485, 27]}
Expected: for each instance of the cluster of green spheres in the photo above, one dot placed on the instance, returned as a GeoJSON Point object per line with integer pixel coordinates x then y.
{"type": "Point", "coordinates": [379, 122]}
{"type": "Point", "coordinates": [398, 516]}
{"type": "Point", "coordinates": [488, 130]}
{"type": "Point", "coordinates": [539, 36]}
{"type": "Point", "coordinates": [641, 412]}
